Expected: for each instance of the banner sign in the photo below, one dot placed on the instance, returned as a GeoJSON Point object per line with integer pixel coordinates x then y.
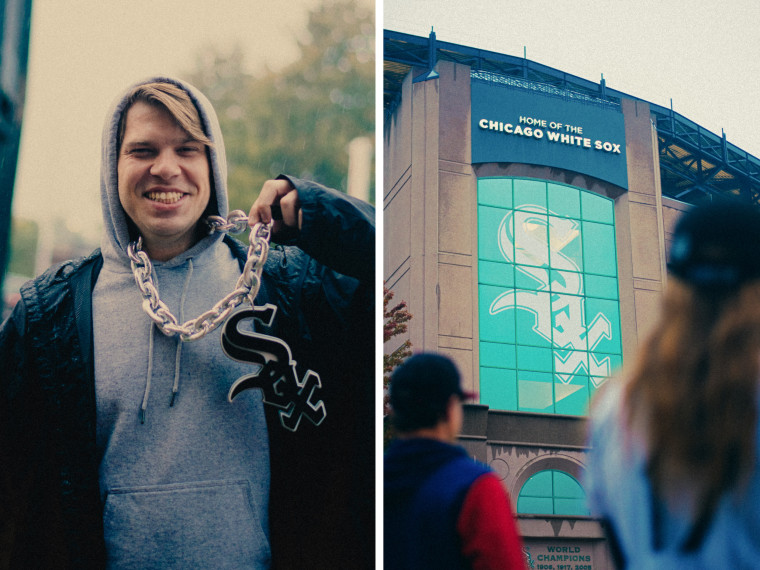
{"type": "Point", "coordinates": [511, 124]}
{"type": "Point", "coordinates": [558, 556]}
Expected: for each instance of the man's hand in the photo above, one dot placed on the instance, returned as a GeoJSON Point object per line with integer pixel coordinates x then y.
{"type": "Point", "coordinates": [282, 195]}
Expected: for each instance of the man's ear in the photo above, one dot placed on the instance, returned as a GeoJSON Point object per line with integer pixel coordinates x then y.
{"type": "Point", "coordinates": [451, 407]}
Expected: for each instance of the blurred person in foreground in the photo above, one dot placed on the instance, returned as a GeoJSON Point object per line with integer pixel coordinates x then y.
{"type": "Point", "coordinates": [122, 443]}
{"type": "Point", "coordinates": [674, 442]}
{"type": "Point", "coordinates": [442, 509]}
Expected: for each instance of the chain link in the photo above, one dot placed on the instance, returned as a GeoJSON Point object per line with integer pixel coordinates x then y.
{"type": "Point", "coordinates": [236, 223]}
{"type": "Point", "coordinates": [246, 288]}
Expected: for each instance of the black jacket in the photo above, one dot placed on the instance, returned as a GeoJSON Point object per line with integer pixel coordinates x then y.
{"type": "Point", "coordinates": [322, 480]}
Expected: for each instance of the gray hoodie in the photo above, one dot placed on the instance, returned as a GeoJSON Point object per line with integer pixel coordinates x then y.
{"type": "Point", "coordinates": [189, 486]}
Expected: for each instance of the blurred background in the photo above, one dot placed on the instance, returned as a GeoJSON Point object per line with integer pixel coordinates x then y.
{"type": "Point", "coordinates": [293, 85]}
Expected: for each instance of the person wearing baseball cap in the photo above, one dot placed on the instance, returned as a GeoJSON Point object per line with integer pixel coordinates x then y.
{"type": "Point", "coordinates": [717, 246]}
{"type": "Point", "coordinates": [673, 466]}
{"type": "Point", "coordinates": [442, 509]}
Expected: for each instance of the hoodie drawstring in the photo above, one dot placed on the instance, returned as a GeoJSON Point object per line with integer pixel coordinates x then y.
{"type": "Point", "coordinates": [178, 354]}
{"type": "Point", "coordinates": [175, 386]}
{"type": "Point", "coordinates": [144, 405]}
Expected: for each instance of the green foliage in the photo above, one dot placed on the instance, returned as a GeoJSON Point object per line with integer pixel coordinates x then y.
{"type": "Point", "coordinates": [298, 121]}
{"type": "Point", "coordinates": [394, 324]}
{"type": "Point", "coordinates": [23, 247]}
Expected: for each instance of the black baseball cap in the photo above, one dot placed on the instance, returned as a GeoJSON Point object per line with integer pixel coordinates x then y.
{"type": "Point", "coordinates": [717, 245]}
{"type": "Point", "coordinates": [421, 388]}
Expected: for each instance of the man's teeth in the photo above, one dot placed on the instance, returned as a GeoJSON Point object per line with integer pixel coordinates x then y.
{"type": "Point", "coordinates": [164, 197]}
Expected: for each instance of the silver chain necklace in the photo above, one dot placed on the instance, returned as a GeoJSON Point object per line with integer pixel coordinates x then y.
{"type": "Point", "coordinates": [246, 288]}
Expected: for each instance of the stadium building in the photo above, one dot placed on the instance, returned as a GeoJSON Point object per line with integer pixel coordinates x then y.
{"type": "Point", "coordinates": [527, 219]}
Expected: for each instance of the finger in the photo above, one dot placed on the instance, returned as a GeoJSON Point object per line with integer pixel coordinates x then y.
{"type": "Point", "coordinates": [270, 194]}
{"type": "Point", "coordinates": [291, 208]}
{"type": "Point", "coordinates": [261, 210]}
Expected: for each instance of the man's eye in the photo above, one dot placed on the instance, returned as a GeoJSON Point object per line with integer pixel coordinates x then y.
{"type": "Point", "coordinates": [140, 151]}
{"type": "Point", "coordinates": [189, 149]}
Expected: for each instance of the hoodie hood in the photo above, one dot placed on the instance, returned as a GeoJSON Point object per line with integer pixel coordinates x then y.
{"type": "Point", "coordinates": [115, 225]}
{"type": "Point", "coordinates": [190, 283]}
{"type": "Point", "coordinates": [410, 462]}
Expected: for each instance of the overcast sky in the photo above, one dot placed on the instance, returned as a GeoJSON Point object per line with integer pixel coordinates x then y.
{"type": "Point", "coordinates": [701, 54]}
{"type": "Point", "coordinates": [85, 52]}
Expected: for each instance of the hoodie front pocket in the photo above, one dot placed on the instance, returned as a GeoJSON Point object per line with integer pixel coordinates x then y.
{"type": "Point", "coordinates": [210, 524]}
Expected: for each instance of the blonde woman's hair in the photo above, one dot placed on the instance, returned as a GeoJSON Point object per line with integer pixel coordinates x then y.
{"type": "Point", "coordinates": [693, 391]}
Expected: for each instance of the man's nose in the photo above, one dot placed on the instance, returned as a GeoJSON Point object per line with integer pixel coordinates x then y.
{"type": "Point", "coordinates": [166, 165]}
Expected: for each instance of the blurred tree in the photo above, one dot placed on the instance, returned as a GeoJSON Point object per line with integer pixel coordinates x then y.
{"type": "Point", "coordinates": [59, 243]}
{"type": "Point", "coordinates": [298, 121]}
{"type": "Point", "coordinates": [23, 248]}
{"type": "Point", "coordinates": [394, 324]}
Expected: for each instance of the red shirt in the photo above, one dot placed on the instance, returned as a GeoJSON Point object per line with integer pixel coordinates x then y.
{"type": "Point", "coordinates": [489, 534]}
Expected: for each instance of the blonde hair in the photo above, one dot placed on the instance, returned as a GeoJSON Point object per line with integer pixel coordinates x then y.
{"type": "Point", "coordinates": [693, 389]}
{"type": "Point", "coordinates": [175, 101]}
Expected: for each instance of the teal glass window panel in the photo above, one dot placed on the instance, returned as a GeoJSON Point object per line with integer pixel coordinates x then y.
{"type": "Point", "coordinates": [533, 318]}
{"type": "Point", "coordinates": [566, 486]}
{"type": "Point", "coordinates": [531, 192]}
{"type": "Point", "coordinates": [498, 388]}
{"type": "Point", "coordinates": [489, 221]}
{"type": "Point", "coordinates": [534, 358]}
{"type": "Point", "coordinates": [494, 273]}
{"type": "Point", "coordinates": [531, 238]}
{"type": "Point", "coordinates": [495, 192]}
{"type": "Point", "coordinates": [599, 249]}
{"type": "Point", "coordinates": [564, 200]}
{"type": "Point", "coordinates": [500, 326]}
{"type": "Point", "coordinates": [535, 391]}
{"type": "Point", "coordinates": [603, 324]}
{"type": "Point", "coordinates": [616, 361]}
{"type": "Point", "coordinates": [604, 364]}
{"type": "Point", "coordinates": [531, 278]}
{"type": "Point", "coordinates": [535, 505]}
{"type": "Point", "coordinates": [498, 355]}
{"type": "Point", "coordinates": [571, 507]}
{"type": "Point", "coordinates": [597, 208]}
{"type": "Point", "coordinates": [539, 485]}
{"type": "Point", "coordinates": [552, 492]}
{"type": "Point", "coordinates": [569, 363]}
{"type": "Point", "coordinates": [601, 286]}
{"type": "Point", "coordinates": [567, 282]}
{"type": "Point", "coordinates": [565, 244]}
{"type": "Point", "coordinates": [571, 399]}
{"type": "Point", "coordinates": [595, 383]}
{"type": "Point", "coordinates": [569, 326]}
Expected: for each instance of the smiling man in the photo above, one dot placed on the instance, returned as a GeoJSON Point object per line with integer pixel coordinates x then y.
{"type": "Point", "coordinates": [118, 444]}
{"type": "Point", "coordinates": [164, 183]}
